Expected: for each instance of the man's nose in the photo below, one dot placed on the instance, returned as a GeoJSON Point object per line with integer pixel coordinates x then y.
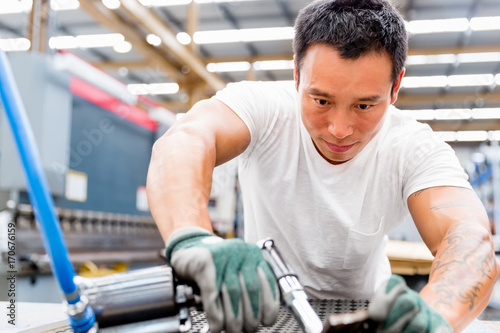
{"type": "Point", "coordinates": [340, 124]}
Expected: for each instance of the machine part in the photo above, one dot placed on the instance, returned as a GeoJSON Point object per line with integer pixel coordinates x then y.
{"type": "Point", "coordinates": [351, 322]}
{"type": "Point", "coordinates": [163, 325]}
{"type": "Point", "coordinates": [39, 194]}
{"type": "Point", "coordinates": [293, 296]}
{"type": "Point", "coordinates": [93, 236]}
{"type": "Point", "coordinates": [78, 313]}
{"type": "Point", "coordinates": [137, 296]}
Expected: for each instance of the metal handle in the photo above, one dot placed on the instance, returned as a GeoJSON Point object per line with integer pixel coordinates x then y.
{"type": "Point", "coordinates": [293, 296]}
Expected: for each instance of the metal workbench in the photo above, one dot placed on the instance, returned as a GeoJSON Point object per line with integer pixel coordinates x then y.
{"type": "Point", "coordinates": [50, 318]}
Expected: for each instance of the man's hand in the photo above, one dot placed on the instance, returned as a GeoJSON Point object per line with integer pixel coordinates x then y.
{"type": "Point", "coordinates": [401, 309]}
{"type": "Point", "coordinates": [237, 286]}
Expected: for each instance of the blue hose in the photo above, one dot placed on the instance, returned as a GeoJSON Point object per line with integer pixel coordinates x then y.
{"type": "Point", "coordinates": [38, 192]}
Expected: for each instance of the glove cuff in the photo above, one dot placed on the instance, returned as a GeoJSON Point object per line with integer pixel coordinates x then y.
{"type": "Point", "coordinates": [181, 235]}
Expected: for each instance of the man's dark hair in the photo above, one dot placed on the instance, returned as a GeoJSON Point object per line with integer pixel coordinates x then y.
{"type": "Point", "coordinates": [354, 28]}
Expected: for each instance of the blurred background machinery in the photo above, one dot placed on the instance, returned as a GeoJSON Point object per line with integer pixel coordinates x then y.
{"type": "Point", "coordinates": [95, 140]}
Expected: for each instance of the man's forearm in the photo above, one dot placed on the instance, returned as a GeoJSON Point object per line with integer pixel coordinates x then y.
{"type": "Point", "coordinates": [462, 275]}
{"type": "Point", "coordinates": [179, 182]}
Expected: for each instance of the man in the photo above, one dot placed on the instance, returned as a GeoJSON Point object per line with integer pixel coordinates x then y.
{"type": "Point", "coordinates": [327, 167]}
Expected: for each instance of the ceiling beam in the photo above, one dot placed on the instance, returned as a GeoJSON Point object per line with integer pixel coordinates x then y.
{"type": "Point", "coordinates": [153, 24]}
{"type": "Point", "coordinates": [116, 65]}
{"type": "Point", "coordinates": [192, 23]}
{"type": "Point", "coordinates": [114, 22]}
{"type": "Point", "coordinates": [38, 25]}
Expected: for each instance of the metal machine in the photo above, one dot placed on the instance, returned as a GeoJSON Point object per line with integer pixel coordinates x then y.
{"type": "Point", "coordinates": [94, 140]}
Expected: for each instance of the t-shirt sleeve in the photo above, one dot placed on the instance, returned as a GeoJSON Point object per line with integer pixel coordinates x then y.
{"type": "Point", "coordinates": [430, 162]}
{"type": "Point", "coordinates": [258, 104]}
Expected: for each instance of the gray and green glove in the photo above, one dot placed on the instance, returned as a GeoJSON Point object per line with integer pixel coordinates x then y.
{"type": "Point", "coordinates": [401, 309]}
{"type": "Point", "coordinates": [238, 288]}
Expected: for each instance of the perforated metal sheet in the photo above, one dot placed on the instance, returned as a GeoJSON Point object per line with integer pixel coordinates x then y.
{"type": "Point", "coordinates": [286, 323]}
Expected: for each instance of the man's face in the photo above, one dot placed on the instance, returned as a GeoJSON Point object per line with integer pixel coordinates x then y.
{"type": "Point", "coordinates": [343, 101]}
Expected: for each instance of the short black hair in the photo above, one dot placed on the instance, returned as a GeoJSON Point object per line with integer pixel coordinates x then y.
{"type": "Point", "coordinates": [354, 28]}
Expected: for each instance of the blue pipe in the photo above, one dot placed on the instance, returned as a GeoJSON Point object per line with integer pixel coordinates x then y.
{"type": "Point", "coordinates": [39, 194]}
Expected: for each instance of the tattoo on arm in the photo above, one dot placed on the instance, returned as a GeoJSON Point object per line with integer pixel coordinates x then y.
{"type": "Point", "coordinates": [463, 266]}
{"type": "Point", "coordinates": [420, 192]}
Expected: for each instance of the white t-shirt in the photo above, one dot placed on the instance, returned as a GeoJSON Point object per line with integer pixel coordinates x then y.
{"type": "Point", "coordinates": [330, 221]}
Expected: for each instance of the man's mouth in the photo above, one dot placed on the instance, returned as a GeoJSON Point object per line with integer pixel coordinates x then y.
{"type": "Point", "coordinates": [339, 149]}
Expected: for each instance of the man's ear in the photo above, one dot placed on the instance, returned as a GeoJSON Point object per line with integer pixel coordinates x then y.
{"type": "Point", "coordinates": [397, 86]}
{"type": "Point", "coordinates": [295, 73]}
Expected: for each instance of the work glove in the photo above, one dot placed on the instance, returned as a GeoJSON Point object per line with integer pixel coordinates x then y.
{"type": "Point", "coordinates": [401, 309]}
{"type": "Point", "coordinates": [238, 288]}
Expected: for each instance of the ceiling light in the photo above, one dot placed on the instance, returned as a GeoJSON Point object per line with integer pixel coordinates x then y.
{"type": "Point", "coordinates": [441, 81]}
{"type": "Point", "coordinates": [63, 42]}
{"type": "Point", "coordinates": [123, 71]}
{"type": "Point", "coordinates": [123, 47]}
{"type": "Point", "coordinates": [440, 114]}
{"type": "Point", "coordinates": [15, 6]}
{"type": "Point", "coordinates": [163, 3]}
{"type": "Point", "coordinates": [485, 23]}
{"type": "Point", "coordinates": [210, 1]}
{"type": "Point", "coordinates": [454, 114]}
{"type": "Point", "coordinates": [446, 135]}
{"type": "Point", "coordinates": [183, 38]}
{"type": "Point", "coordinates": [111, 4]}
{"type": "Point", "coordinates": [15, 44]}
{"type": "Point", "coordinates": [64, 4]}
{"type": "Point", "coordinates": [153, 88]}
{"type": "Point", "coordinates": [467, 136]}
{"type": "Point", "coordinates": [273, 65]}
{"type": "Point", "coordinates": [153, 39]}
{"type": "Point", "coordinates": [453, 58]}
{"type": "Point", "coordinates": [436, 26]}
{"type": "Point", "coordinates": [421, 114]}
{"type": "Point", "coordinates": [471, 80]}
{"type": "Point", "coordinates": [235, 66]}
{"type": "Point", "coordinates": [471, 136]}
{"type": "Point", "coordinates": [479, 57]}
{"type": "Point", "coordinates": [424, 81]}
{"type": "Point", "coordinates": [494, 135]}
{"type": "Point", "coordinates": [100, 40]}
{"type": "Point", "coordinates": [243, 35]}
{"type": "Point", "coordinates": [492, 113]}
{"type": "Point", "coordinates": [431, 59]}
{"type": "Point", "coordinates": [85, 41]}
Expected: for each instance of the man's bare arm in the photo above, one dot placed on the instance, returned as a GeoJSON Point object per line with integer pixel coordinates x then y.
{"type": "Point", "coordinates": [180, 173]}
{"type": "Point", "coordinates": [454, 225]}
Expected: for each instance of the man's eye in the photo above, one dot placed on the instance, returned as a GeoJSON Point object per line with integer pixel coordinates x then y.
{"type": "Point", "coordinates": [364, 106]}
{"type": "Point", "coordinates": [321, 101]}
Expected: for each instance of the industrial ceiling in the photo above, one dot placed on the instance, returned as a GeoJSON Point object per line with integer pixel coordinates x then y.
{"type": "Point", "coordinates": [452, 71]}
